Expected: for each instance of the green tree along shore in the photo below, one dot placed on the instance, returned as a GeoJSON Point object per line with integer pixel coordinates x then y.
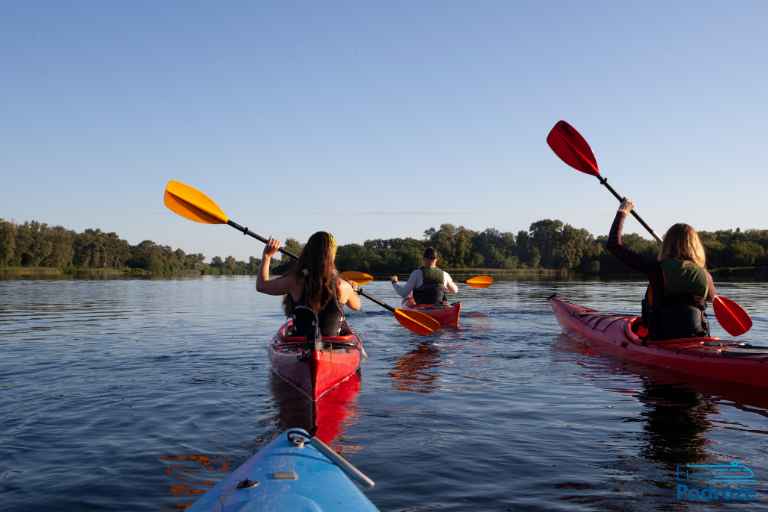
{"type": "Point", "coordinates": [36, 249]}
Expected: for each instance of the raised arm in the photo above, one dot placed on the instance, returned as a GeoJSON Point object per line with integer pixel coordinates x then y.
{"type": "Point", "coordinates": [278, 286]}
{"type": "Point", "coordinates": [616, 246]}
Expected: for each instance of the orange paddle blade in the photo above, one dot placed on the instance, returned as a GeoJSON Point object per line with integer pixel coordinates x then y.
{"type": "Point", "coordinates": [192, 204]}
{"type": "Point", "coordinates": [731, 316]}
{"type": "Point", "coordinates": [480, 281]}
{"type": "Point", "coordinates": [361, 278]}
{"type": "Point", "coordinates": [416, 321]}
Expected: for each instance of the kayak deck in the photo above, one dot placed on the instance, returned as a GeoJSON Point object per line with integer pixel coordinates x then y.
{"type": "Point", "coordinates": [705, 357]}
{"type": "Point", "coordinates": [289, 473]}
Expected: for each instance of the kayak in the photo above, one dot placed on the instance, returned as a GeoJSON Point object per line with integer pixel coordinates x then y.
{"type": "Point", "coordinates": [293, 472]}
{"type": "Point", "coordinates": [448, 316]}
{"type": "Point", "coordinates": [315, 368]}
{"type": "Point", "coordinates": [707, 357]}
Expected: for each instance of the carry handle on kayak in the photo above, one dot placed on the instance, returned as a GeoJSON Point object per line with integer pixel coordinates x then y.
{"type": "Point", "coordinates": [299, 436]}
{"type": "Point", "coordinates": [343, 464]}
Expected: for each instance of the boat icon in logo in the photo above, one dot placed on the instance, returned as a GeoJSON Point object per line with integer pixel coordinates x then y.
{"type": "Point", "coordinates": [735, 472]}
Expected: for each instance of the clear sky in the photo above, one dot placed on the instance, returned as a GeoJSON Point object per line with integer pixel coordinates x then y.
{"type": "Point", "coordinates": [379, 120]}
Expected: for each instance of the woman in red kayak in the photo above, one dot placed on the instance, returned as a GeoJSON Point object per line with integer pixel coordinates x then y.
{"type": "Point", "coordinates": [314, 293]}
{"type": "Point", "coordinates": [679, 284]}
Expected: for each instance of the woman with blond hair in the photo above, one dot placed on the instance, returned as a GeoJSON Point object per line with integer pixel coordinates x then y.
{"type": "Point", "coordinates": [314, 292]}
{"type": "Point", "coordinates": [679, 285]}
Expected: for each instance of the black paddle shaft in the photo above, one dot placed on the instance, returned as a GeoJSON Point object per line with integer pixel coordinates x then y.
{"type": "Point", "coordinates": [377, 301]}
{"type": "Point", "coordinates": [260, 238]}
{"type": "Point", "coordinates": [604, 182]}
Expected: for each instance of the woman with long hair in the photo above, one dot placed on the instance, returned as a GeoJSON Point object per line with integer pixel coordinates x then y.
{"type": "Point", "coordinates": [314, 292]}
{"type": "Point", "coordinates": [679, 284]}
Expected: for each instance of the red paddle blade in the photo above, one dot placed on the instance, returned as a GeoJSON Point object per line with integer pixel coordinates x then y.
{"type": "Point", "coordinates": [731, 316]}
{"type": "Point", "coordinates": [572, 149]}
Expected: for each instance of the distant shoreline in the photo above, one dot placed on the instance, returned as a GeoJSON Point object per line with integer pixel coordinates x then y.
{"type": "Point", "coordinates": [759, 273]}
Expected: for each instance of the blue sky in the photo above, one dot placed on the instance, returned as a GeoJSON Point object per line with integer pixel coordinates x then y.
{"type": "Point", "coordinates": [379, 120]}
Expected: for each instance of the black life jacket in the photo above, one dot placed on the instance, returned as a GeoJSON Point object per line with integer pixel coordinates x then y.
{"type": "Point", "coordinates": [306, 322]}
{"type": "Point", "coordinates": [431, 290]}
{"type": "Point", "coordinates": [677, 310]}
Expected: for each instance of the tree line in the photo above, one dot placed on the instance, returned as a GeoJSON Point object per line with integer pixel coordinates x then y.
{"type": "Point", "coordinates": [547, 244]}
{"type": "Point", "coordinates": [35, 244]}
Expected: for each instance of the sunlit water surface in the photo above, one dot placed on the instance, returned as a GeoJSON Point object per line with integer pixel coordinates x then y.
{"type": "Point", "coordinates": [139, 395]}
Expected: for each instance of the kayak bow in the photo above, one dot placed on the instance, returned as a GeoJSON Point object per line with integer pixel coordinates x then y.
{"type": "Point", "coordinates": [294, 472]}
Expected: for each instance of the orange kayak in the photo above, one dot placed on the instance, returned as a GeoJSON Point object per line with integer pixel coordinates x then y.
{"type": "Point", "coordinates": [448, 316]}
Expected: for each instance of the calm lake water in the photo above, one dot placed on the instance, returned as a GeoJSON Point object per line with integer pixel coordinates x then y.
{"type": "Point", "coordinates": [137, 395]}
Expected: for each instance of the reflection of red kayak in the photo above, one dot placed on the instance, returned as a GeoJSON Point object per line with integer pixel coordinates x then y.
{"type": "Point", "coordinates": [329, 416]}
{"type": "Point", "coordinates": [707, 357]}
{"type": "Point", "coordinates": [314, 368]}
{"type": "Point", "coordinates": [448, 316]}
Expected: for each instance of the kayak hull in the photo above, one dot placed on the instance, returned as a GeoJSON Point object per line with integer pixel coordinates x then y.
{"type": "Point", "coordinates": [448, 316]}
{"type": "Point", "coordinates": [314, 368]}
{"type": "Point", "coordinates": [704, 357]}
{"type": "Point", "coordinates": [285, 476]}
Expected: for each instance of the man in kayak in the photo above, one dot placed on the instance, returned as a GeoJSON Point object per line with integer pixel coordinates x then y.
{"type": "Point", "coordinates": [679, 285]}
{"type": "Point", "coordinates": [314, 293]}
{"type": "Point", "coordinates": [427, 284]}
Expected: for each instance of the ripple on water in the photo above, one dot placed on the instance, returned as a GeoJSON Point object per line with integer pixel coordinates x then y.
{"type": "Point", "coordinates": [112, 386]}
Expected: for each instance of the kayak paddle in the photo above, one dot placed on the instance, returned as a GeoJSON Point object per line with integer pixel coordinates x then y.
{"type": "Point", "coordinates": [361, 278]}
{"type": "Point", "coordinates": [573, 149]}
{"type": "Point", "coordinates": [731, 316]}
{"type": "Point", "coordinates": [479, 281]}
{"type": "Point", "coordinates": [194, 205]}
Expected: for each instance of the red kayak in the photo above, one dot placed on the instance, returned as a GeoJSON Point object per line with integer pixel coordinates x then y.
{"type": "Point", "coordinates": [315, 368]}
{"type": "Point", "coordinates": [448, 316]}
{"type": "Point", "coordinates": [707, 357]}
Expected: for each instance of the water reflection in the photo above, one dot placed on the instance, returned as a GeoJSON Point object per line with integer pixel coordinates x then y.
{"type": "Point", "coordinates": [679, 413]}
{"type": "Point", "coordinates": [416, 371]}
{"type": "Point", "coordinates": [327, 417]}
{"type": "Point", "coordinates": [675, 423]}
{"type": "Point", "coordinates": [191, 476]}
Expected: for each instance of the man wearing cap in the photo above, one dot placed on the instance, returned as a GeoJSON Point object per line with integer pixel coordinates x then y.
{"type": "Point", "coordinates": [427, 284]}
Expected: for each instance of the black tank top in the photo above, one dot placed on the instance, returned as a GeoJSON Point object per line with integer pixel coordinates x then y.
{"type": "Point", "coordinates": [330, 318]}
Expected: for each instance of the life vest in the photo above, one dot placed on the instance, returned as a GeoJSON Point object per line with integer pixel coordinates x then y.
{"type": "Point", "coordinates": [431, 290]}
{"type": "Point", "coordinates": [306, 322]}
{"type": "Point", "coordinates": [677, 310]}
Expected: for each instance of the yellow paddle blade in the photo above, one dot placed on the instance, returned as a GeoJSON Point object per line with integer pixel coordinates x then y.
{"type": "Point", "coordinates": [480, 281]}
{"type": "Point", "coordinates": [416, 321]}
{"type": "Point", "coordinates": [192, 204]}
{"type": "Point", "coordinates": [361, 278]}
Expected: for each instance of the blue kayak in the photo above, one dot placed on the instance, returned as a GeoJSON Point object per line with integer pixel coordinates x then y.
{"type": "Point", "coordinates": [295, 472]}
